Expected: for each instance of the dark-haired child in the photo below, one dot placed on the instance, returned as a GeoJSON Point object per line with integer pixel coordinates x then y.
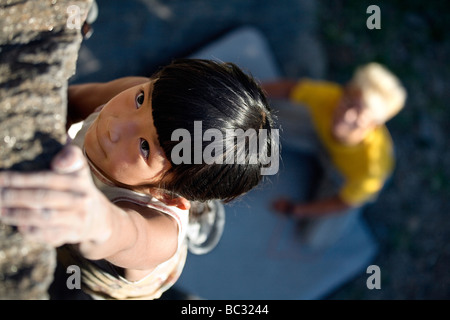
{"type": "Point", "coordinates": [121, 200]}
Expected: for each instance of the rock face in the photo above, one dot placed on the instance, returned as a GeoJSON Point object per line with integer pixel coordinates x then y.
{"type": "Point", "coordinates": [39, 43]}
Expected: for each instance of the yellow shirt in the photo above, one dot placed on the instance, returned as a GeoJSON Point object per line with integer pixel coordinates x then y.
{"type": "Point", "coordinates": [365, 166]}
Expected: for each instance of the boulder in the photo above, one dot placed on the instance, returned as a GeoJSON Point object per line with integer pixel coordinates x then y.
{"type": "Point", "coordinates": [39, 43]}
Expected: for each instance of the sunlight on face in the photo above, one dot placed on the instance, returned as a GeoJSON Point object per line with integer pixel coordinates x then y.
{"type": "Point", "coordinates": [122, 142]}
{"type": "Point", "coordinates": [351, 121]}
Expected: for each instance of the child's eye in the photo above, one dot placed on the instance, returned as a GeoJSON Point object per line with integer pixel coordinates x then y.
{"type": "Point", "coordinates": [140, 99]}
{"type": "Point", "coordinates": [145, 148]}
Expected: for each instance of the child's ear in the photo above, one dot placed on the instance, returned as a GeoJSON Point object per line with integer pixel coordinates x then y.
{"type": "Point", "coordinates": [179, 202]}
{"type": "Point", "coordinates": [162, 196]}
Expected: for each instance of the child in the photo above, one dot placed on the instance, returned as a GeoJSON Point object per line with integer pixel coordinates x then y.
{"type": "Point", "coordinates": [129, 239]}
{"type": "Point", "coordinates": [350, 125]}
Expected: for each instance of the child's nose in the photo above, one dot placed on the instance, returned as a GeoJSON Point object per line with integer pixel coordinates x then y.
{"type": "Point", "coordinates": [120, 129]}
{"type": "Point", "coordinates": [350, 116]}
{"type": "Point", "coordinates": [114, 135]}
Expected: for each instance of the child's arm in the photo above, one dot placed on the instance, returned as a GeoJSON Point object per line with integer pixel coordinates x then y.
{"type": "Point", "coordinates": [319, 208]}
{"type": "Point", "coordinates": [311, 93]}
{"type": "Point", "coordinates": [83, 99]}
{"type": "Point", "coordinates": [139, 239]}
{"type": "Point", "coordinates": [64, 206]}
{"type": "Point", "coordinates": [279, 89]}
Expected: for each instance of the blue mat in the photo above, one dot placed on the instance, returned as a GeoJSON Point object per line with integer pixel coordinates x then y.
{"type": "Point", "coordinates": [261, 255]}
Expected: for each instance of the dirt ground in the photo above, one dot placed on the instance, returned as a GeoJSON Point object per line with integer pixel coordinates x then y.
{"type": "Point", "coordinates": [410, 219]}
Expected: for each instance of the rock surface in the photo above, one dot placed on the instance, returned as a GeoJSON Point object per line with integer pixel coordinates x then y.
{"type": "Point", "coordinates": [38, 54]}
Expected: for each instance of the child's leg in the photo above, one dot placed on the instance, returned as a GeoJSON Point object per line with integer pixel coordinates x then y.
{"type": "Point", "coordinates": [323, 232]}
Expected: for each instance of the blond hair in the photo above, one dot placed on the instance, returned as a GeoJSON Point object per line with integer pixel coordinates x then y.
{"type": "Point", "coordinates": [381, 91]}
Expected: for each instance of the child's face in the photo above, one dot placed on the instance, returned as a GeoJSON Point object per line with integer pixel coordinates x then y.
{"type": "Point", "coordinates": [352, 122]}
{"type": "Point", "coordinates": [123, 143]}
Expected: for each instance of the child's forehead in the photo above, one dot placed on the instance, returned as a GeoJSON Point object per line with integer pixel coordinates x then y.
{"type": "Point", "coordinates": [145, 86]}
{"type": "Point", "coordinates": [149, 85]}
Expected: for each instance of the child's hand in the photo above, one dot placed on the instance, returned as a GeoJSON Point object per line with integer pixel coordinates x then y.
{"type": "Point", "coordinates": [283, 205]}
{"type": "Point", "coordinates": [290, 208]}
{"type": "Point", "coordinates": [58, 206]}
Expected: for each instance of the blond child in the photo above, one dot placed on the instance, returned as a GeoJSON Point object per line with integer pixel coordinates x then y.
{"type": "Point", "coordinates": [350, 125]}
